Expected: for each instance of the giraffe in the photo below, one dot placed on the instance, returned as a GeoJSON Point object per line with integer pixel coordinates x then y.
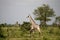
{"type": "Point", "coordinates": [33, 25]}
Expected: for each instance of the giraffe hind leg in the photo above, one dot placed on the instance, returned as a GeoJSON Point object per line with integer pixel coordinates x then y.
{"type": "Point", "coordinates": [39, 31]}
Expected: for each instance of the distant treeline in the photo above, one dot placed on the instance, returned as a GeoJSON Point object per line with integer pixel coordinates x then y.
{"type": "Point", "coordinates": [26, 24]}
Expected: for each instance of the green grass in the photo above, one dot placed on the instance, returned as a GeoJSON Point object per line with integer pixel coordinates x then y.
{"type": "Point", "coordinates": [15, 33]}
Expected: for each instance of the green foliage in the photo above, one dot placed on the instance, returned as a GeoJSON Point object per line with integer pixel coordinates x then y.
{"type": "Point", "coordinates": [1, 34]}
{"type": "Point", "coordinates": [49, 33]}
{"type": "Point", "coordinates": [25, 26]}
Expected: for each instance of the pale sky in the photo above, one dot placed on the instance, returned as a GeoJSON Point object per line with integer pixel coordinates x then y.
{"type": "Point", "coordinates": [17, 10]}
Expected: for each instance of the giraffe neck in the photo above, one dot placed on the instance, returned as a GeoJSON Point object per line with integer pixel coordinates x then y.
{"type": "Point", "coordinates": [32, 21]}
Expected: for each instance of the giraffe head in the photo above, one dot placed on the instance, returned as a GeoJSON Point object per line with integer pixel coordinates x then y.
{"type": "Point", "coordinates": [28, 16]}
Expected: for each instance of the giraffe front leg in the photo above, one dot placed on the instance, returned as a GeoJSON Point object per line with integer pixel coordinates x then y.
{"type": "Point", "coordinates": [31, 32]}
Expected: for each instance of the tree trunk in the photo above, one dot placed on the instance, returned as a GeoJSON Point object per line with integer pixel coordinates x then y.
{"type": "Point", "coordinates": [43, 23]}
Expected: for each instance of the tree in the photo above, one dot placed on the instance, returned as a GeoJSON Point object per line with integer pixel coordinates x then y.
{"type": "Point", "coordinates": [17, 24]}
{"type": "Point", "coordinates": [58, 20]}
{"type": "Point", "coordinates": [3, 25]}
{"type": "Point", "coordinates": [43, 13]}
